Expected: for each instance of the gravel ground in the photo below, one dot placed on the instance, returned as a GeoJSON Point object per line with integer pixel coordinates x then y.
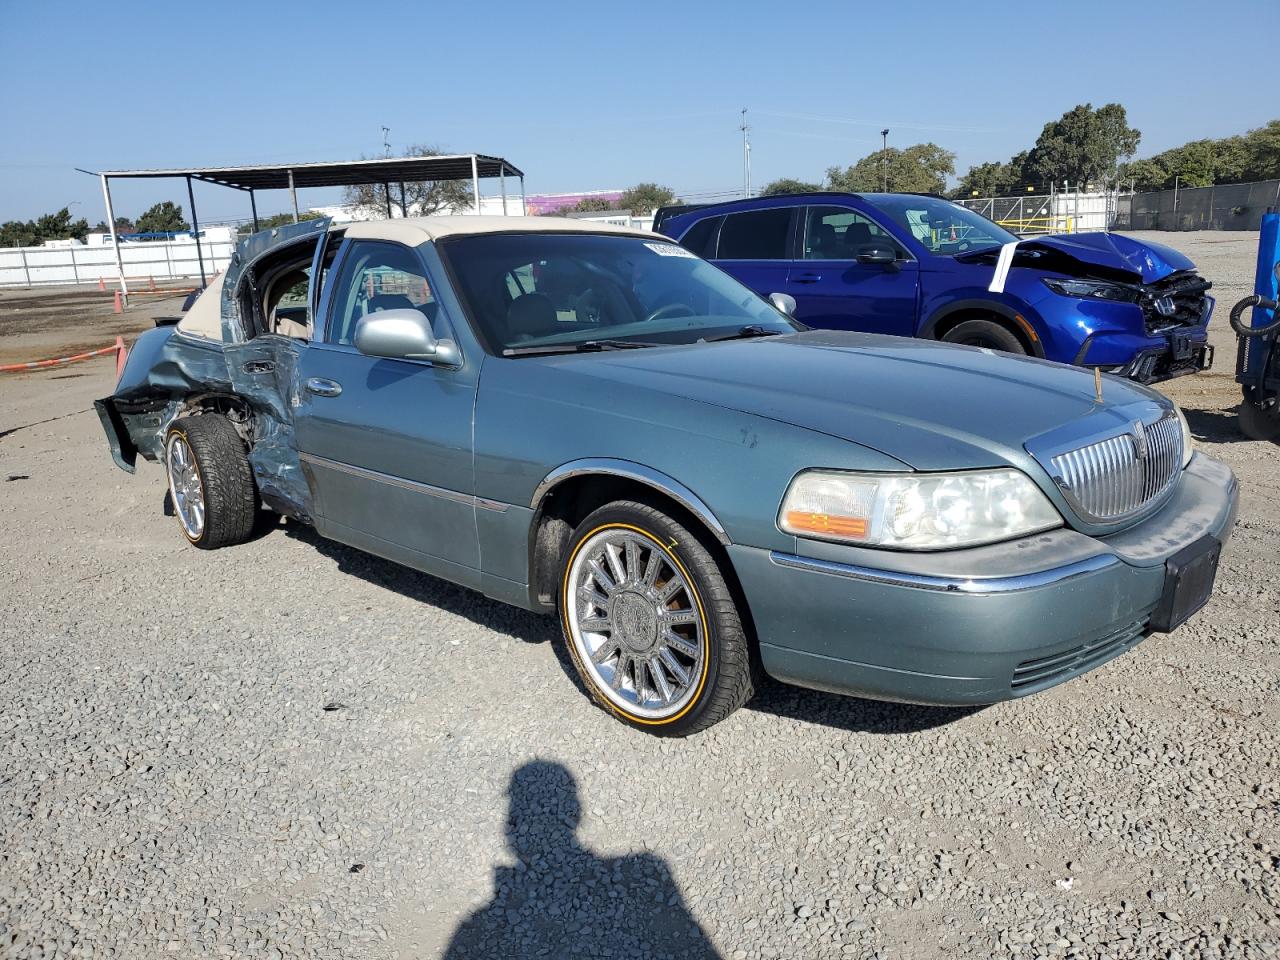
{"type": "Point", "coordinates": [292, 749]}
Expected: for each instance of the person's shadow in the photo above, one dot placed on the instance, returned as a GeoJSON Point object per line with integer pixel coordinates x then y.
{"type": "Point", "coordinates": [561, 900]}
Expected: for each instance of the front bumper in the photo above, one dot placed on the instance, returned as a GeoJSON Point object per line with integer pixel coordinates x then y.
{"type": "Point", "coordinates": [973, 626]}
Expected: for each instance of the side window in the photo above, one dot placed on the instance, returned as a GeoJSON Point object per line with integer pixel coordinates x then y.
{"type": "Point", "coordinates": [836, 233]}
{"type": "Point", "coordinates": [755, 235]}
{"type": "Point", "coordinates": [701, 237]}
{"type": "Point", "coordinates": [376, 276]}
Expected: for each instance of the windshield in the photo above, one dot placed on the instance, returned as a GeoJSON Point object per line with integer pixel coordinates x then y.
{"type": "Point", "coordinates": [943, 227]}
{"type": "Point", "coordinates": [544, 290]}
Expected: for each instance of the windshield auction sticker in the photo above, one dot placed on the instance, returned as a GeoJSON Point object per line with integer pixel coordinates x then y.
{"type": "Point", "coordinates": [670, 250]}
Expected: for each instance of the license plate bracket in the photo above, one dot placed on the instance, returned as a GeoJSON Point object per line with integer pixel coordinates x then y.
{"type": "Point", "coordinates": [1188, 583]}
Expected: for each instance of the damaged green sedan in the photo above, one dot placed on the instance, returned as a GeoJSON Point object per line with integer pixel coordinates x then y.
{"type": "Point", "coordinates": [591, 421]}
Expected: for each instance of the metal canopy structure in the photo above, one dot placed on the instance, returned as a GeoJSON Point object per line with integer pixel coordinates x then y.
{"type": "Point", "coordinates": [287, 176]}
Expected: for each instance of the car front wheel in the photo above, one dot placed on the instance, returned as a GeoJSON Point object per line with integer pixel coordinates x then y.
{"type": "Point", "coordinates": [651, 623]}
{"type": "Point", "coordinates": [984, 333]}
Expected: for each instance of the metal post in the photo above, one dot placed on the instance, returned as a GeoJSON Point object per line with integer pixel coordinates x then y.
{"type": "Point", "coordinates": [293, 193]}
{"type": "Point", "coordinates": [524, 209]}
{"type": "Point", "coordinates": [115, 240]}
{"type": "Point", "coordinates": [195, 231]}
{"type": "Point", "coordinates": [502, 182]}
{"type": "Point", "coordinates": [253, 205]}
{"type": "Point", "coordinates": [746, 154]}
{"type": "Point", "coordinates": [26, 272]}
{"type": "Point", "coordinates": [475, 182]}
{"type": "Point", "coordinates": [1175, 201]}
{"type": "Point", "coordinates": [386, 195]}
{"type": "Point", "coordinates": [884, 157]}
{"type": "Point", "coordinates": [404, 205]}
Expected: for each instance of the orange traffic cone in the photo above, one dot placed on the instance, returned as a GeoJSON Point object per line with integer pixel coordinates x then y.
{"type": "Point", "coordinates": [118, 308]}
{"type": "Point", "coordinates": [122, 353]}
{"type": "Point", "coordinates": [102, 284]}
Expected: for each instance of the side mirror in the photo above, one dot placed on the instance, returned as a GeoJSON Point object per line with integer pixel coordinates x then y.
{"type": "Point", "coordinates": [877, 253]}
{"type": "Point", "coordinates": [784, 302]}
{"type": "Point", "coordinates": [403, 335]}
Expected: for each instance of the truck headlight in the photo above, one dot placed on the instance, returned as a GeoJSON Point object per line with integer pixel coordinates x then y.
{"type": "Point", "coordinates": [921, 511]}
{"type": "Point", "coordinates": [1093, 289]}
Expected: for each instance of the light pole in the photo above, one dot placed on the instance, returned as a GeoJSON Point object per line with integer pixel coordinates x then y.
{"type": "Point", "coordinates": [746, 154]}
{"type": "Point", "coordinates": [884, 157]}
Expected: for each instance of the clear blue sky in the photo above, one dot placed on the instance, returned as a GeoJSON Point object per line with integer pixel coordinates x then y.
{"type": "Point", "coordinates": [594, 95]}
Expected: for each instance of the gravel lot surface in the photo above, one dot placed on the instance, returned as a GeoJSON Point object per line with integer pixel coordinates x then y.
{"type": "Point", "coordinates": [290, 749]}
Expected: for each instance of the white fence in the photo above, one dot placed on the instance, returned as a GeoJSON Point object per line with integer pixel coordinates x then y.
{"type": "Point", "coordinates": [143, 260]}
{"type": "Point", "coordinates": [1058, 212]}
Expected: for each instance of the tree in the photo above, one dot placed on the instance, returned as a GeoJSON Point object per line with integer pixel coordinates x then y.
{"type": "Point", "coordinates": [922, 168]}
{"type": "Point", "coordinates": [989, 179]}
{"type": "Point", "coordinates": [51, 226]}
{"type": "Point", "coordinates": [1147, 174]}
{"type": "Point", "coordinates": [592, 205]}
{"type": "Point", "coordinates": [123, 225]}
{"type": "Point", "coordinates": [164, 217]}
{"type": "Point", "coordinates": [1084, 145]}
{"type": "Point", "coordinates": [644, 198]}
{"type": "Point", "coordinates": [277, 220]}
{"type": "Point", "coordinates": [789, 185]}
{"type": "Point", "coordinates": [422, 199]}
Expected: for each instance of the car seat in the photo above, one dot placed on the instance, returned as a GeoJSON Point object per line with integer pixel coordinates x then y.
{"type": "Point", "coordinates": [531, 315]}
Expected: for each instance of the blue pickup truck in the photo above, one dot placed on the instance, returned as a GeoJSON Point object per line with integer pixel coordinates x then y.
{"type": "Point", "coordinates": [921, 266]}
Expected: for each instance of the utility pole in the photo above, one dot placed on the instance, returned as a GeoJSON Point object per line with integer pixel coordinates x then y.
{"type": "Point", "coordinates": [746, 154]}
{"type": "Point", "coordinates": [884, 157]}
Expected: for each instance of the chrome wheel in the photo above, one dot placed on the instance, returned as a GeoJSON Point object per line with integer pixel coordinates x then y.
{"type": "Point", "coordinates": [185, 486]}
{"type": "Point", "coordinates": [636, 623]}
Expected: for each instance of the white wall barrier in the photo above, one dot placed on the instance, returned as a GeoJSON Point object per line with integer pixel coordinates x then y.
{"type": "Point", "coordinates": [143, 259]}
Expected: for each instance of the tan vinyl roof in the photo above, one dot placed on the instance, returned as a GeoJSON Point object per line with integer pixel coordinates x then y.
{"type": "Point", "coordinates": [415, 230]}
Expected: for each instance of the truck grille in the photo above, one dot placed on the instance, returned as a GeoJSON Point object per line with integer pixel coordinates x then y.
{"type": "Point", "coordinates": [1115, 478]}
{"type": "Point", "coordinates": [1180, 299]}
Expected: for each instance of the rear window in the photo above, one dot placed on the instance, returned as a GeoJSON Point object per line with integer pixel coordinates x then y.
{"type": "Point", "coordinates": [755, 235]}
{"type": "Point", "coordinates": [701, 238]}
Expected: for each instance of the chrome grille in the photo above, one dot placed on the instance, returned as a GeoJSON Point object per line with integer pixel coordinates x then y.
{"type": "Point", "coordinates": [1115, 478]}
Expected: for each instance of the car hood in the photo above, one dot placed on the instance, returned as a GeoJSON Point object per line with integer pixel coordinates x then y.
{"type": "Point", "coordinates": [930, 405]}
{"type": "Point", "coordinates": [1147, 262]}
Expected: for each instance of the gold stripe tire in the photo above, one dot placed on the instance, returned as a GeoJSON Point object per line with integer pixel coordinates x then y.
{"type": "Point", "coordinates": [223, 480]}
{"type": "Point", "coordinates": [650, 622]}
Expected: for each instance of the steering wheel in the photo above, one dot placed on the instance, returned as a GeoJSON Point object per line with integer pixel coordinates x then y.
{"type": "Point", "coordinates": [669, 309]}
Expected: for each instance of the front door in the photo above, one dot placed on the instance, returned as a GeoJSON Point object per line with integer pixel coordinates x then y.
{"type": "Point", "coordinates": [386, 444]}
{"type": "Point", "coordinates": [833, 290]}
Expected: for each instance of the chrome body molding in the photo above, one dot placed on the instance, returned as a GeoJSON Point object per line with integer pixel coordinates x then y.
{"type": "Point", "coordinates": [979, 585]}
{"type": "Point", "coordinates": [632, 471]}
{"type": "Point", "coordinates": [425, 488]}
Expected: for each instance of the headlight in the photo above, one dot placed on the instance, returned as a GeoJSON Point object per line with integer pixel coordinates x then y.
{"type": "Point", "coordinates": [923, 511]}
{"type": "Point", "coordinates": [1187, 451]}
{"type": "Point", "coordinates": [1093, 289]}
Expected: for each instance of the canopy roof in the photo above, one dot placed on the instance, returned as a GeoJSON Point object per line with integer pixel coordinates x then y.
{"type": "Point", "coordinates": [389, 170]}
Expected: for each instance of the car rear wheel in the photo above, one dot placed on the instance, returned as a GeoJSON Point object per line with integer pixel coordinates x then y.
{"type": "Point", "coordinates": [210, 481]}
{"type": "Point", "coordinates": [984, 333]}
{"type": "Point", "coordinates": [650, 622]}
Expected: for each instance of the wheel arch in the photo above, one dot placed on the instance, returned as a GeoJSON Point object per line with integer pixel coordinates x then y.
{"type": "Point", "coordinates": [573, 490]}
{"type": "Point", "coordinates": [953, 314]}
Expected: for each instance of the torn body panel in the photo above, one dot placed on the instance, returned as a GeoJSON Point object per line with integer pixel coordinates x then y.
{"type": "Point", "coordinates": [176, 372]}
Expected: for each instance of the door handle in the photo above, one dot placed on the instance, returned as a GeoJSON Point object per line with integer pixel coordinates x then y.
{"type": "Point", "coordinates": [807, 278]}
{"type": "Point", "coordinates": [323, 388]}
{"type": "Point", "coordinates": [259, 366]}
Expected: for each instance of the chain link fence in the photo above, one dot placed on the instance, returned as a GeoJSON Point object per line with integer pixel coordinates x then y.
{"type": "Point", "coordinates": [1232, 206]}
